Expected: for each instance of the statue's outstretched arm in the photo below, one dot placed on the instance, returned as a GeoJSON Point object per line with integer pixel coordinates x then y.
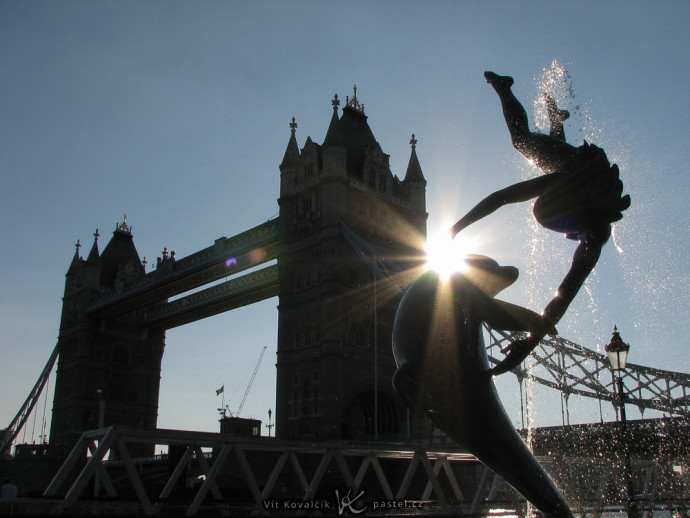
{"type": "Point", "coordinates": [584, 260]}
{"type": "Point", "coordinates": [516, 193]}
{"type": "Point", "coordinates": [511, 317]}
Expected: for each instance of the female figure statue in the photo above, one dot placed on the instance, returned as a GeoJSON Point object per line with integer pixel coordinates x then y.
{"type": "Point", "coordinates": [580, 196]}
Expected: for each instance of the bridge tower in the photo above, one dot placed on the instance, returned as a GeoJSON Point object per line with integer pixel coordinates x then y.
{"type": "Point", "coordinates": [335, 362]}
{"type": "Point", "coordinates": [116, 356]}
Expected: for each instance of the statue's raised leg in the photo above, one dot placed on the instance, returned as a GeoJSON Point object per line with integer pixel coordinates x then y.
{"type": "Point", "coordinates": [556, 118]}
{"type": "Point", "coordinates": [549, 153]}
{"type": "Point", "coordinates": [513, 111]}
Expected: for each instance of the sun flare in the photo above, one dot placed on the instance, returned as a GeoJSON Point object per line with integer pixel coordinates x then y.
{"type": "Point", "coordinates": [445, 255]}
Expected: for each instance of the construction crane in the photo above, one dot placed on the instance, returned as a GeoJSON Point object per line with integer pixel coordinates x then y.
{"type": "Point", "coordinates": [251, 382]}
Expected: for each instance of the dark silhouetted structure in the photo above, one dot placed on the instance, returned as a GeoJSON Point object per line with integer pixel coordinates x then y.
{"type": "Point", "coordinates": [335, 319]}
{"type": "Point", "coordinates": [120, 357]}
{"type": "Point", "coordinates": [334, 361]}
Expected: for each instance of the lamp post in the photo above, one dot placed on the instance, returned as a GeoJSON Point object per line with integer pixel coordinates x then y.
{"type": "Point", "coordinates": [617, 352]}
{"type": "Point", "coordinates": [270, 424]}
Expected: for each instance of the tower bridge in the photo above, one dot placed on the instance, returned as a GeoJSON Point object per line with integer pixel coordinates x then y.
{"type": "Point", "coordinates": [348, 239]}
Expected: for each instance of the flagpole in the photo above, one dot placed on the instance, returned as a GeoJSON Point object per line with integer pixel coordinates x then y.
{"type": "Point", "coordinates": [220, 391]}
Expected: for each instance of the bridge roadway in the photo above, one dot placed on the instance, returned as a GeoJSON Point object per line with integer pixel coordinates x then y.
{"type": "Point", "coordinates": [239, 476]}
{"type": "Point", "coordinates": [226, 257]}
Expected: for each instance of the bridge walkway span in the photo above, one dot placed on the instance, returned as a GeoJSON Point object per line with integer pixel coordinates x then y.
{"type": "Point", "coordinates": [262, 475]}
{"type": "Point", "coordinates": [227, 256]}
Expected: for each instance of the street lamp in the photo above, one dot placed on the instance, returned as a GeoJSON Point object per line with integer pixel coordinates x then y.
{"type": "Point", "coordinates": [617, 352]}
{"type": "Point", "coordinates": [270, 424]}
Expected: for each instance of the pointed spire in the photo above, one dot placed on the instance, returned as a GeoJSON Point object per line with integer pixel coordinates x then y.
{"type": "Point", "coordinates": [76, 259]}
{"type": "Point", "coordinates": [334, 135]}
{"type": "Point", "coordinates": [292, 154]}
{"type": "Point", "coordinates": [414, 170]}
{"type": "Point", "coordinates": [92, 259]}
{"type": "Point", "coordinates": [118, 253]}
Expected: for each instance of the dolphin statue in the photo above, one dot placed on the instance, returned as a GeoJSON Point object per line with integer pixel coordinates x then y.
{"type": "Point", "coordinates": [442, 373]}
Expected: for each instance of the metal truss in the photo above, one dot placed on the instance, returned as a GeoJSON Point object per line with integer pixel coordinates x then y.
{"type": "Point", "coordinates": [398, 475]}
{"type": "Point", "coordinates": [573, 369]}
{"type": "Point", "coordinates": [268, 476]}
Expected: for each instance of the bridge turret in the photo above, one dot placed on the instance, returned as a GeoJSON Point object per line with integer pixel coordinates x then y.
{"type": "Point", "coordinates": [81, 282]}
{"type": "Point", "coordinates": [92, 266]}
{"type": "Point", "coordinates": [334, 148]}
{"type": "Point", "coordinates": [94, 255]}
{"type": "Point", "coordinates": [414, 184]}
{"type": "Point", "coordinates": [76, 260]}
{"type": "Point", "coordinates": [120, 262]}
{"type": "Point", "coordinates": [291, 164]}
{"type": "Point", "coordinates": [119, 356]}
{"type": "Point", "coordinates": [334, 352]}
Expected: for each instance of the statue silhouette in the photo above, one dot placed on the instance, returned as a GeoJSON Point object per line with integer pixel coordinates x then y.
{"type": "Point", "coordinates": [438, 344]}
{"type": "Point", "coordinates": [580, 196]}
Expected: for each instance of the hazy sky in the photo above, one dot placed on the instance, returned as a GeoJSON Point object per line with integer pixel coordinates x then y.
{"type": "Point", "coordinates": [177, 113]}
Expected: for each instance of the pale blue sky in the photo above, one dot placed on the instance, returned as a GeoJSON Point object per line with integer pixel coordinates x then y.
{"type": "Point", "coordinates": [178, 113]}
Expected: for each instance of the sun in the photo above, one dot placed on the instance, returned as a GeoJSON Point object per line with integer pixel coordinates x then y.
{"type": "Point", "coordinates": [445, 255]}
